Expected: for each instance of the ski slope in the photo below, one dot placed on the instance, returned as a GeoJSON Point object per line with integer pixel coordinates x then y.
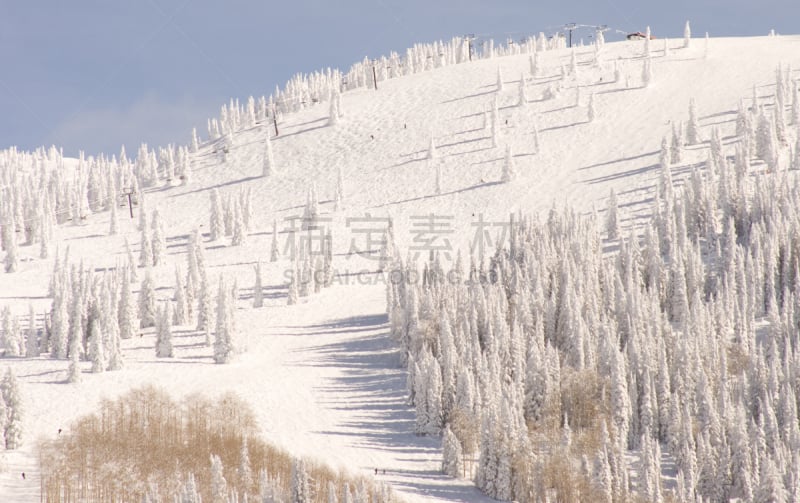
{"type": "Point", "coordinates": [323, 376]}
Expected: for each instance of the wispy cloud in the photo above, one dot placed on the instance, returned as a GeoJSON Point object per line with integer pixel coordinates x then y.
{"type": "Point", "coordinates": [151, 119]}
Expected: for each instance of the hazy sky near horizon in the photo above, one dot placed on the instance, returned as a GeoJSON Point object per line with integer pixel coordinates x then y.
{"type": "Point", "coordinates": [96, 74]}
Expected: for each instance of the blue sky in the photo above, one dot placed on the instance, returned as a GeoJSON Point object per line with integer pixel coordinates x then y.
{"type": "Point", "coordinates": [96, 74]}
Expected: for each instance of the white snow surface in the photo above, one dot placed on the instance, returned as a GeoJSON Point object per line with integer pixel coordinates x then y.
{"type": "Point", "coordinates": [323, 376]}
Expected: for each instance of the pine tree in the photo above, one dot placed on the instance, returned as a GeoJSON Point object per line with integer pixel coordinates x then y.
{"type": "Point", "coordinates": [204, 306]}
{"type": "Point", "coordinates": [765, 138]}
{"type": "Point", "coordinates": [219, 486]}
{"type": "Point", "coordinates": [147, 301]}
{"type": "Point", "coordinates": [274, 255]}
{"type": "Point", "coordinates": [216, 226]}
{"type": "Point", "coordinates": [133, 277]}
{"type": "Point", "coordinates": [186, 171]}
{"type": "Point", "coordinates": [301, 483]}
{"type": "Point", "coordinates": [159, 240]}
{"type": "Point", "coordinates": [245, 471]}
{"type": "Point", "coordinates": [10, 240]}
{"type": "Point", "coordinates": [189, 493]}
{"type": "Point", "coordinates": [11, 334]}
{"type": "Point", "coordinates": [590, 110]}
{"type": "Point", "coordinates": [195, 145]}
{"type": "Point", "coordinates": [239, 230]}
{"type": "Point", "coordinates": [181, 316]}
{"type": "Point", "coordinates": [333, 497]}
{"type": "Point", "coordinates": [97, 351]}
{"type": "Point", "coordinates": [111, 329]}
{"type": "Point", "coordinates": [13, 424]}
{"type": "Point", "coordinates": [126, 312]}
{"type": "Point", "coordinates": [258, 290]}
{"type": "Point", "coordinates": [145, 247]}
{"type": "Point", "coordinates": [74, 372]}
{"type": "Point", "coordinates": [771, 489]}
{"type": "Point", "coordinates": [676, 143]}
{"type": "Point", "coordinates": [452, 462]}
{"type": "Point", "coordinates": [164, 332]}
{"type": "Point", "coordinates": [60, 327]}
{"type": "Point", "coordinates": [687, 35]}
{"type": "Point", "coordinates": [223, 336]}
{"type": "Point", "coordinates": [523, 99]}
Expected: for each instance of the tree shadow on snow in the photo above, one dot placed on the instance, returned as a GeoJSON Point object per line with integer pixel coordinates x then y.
{"type": "Point", "coordinates": [372, 390]}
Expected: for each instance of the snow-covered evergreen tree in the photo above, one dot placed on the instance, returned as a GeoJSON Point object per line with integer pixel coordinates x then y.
{"type": "Point", "coordinates": [239, 229]}
{"type": "Point", "coordinates": [590, 109]}
{"type": "Point", "coordinates": [145, 247]}
{"type": "Point", "coordinates": [10, 240]}
{"type": "Point", "coordinates": [301, 483]}
{"type": "Point", "coordinates": [204, 312]}
{"type": "Point", "coordinates": [164, 347]}
{"type": "Point", "coordinates": [181, 315]}
{"type": "Point", "coordinates": [147, 301]}
{"type": "Point", "coordinates": [693, 126]}
{"type": "Point", "coordinates": [258, 289]}
{"type": "Point", "coordinates": [195, 144]}
{"type": "Point", "coordinates": [12, 423]}
{"type": "Point", "coordinates": [224, 336]}
{"type": "Point", "coordinates": [127, 312]}
{"type": "Point", "coordinates": [74, 371]}
{"type": "Point", "coordinates": [676, 143]}
{"type": "Point", "coordinates": [216, 228]}
{"type": "Point", "coordinates": [97, 350]}
{"type": "Point", "coordinates": [159, 239]}
{"type": "Point", "coordinates": [274, 255]}
{"type": "Point", "coordinates": [687, 35]}
{"type": "Point", "coordinates": [219, 486]}
{"type": "Point", "coordinates": [452, 462]}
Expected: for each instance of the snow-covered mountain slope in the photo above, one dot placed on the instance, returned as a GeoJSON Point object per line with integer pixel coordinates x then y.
{"type": "Point", "coordinates": [322, 375]}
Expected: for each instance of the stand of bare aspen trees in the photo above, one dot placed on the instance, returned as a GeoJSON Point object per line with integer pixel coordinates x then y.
{"type": "Point", "coordinates": [145, 445]}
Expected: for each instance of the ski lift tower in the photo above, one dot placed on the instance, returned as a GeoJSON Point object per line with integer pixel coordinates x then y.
{"type": "Point", "coordinates": [569, 27]}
